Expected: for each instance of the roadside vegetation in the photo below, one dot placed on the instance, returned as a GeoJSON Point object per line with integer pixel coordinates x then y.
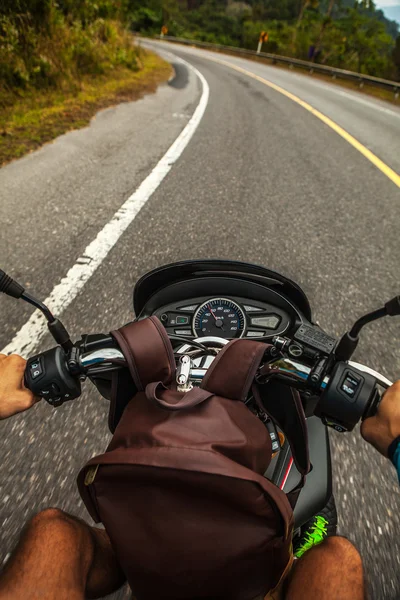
{"type": "Point", "coordinates": [62, 61]}
{"type": "Point", "coordinates": [349, 34]}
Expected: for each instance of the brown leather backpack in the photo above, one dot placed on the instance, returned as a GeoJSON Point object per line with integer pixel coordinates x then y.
{"type": "Point", "coordinates": [181, 488]}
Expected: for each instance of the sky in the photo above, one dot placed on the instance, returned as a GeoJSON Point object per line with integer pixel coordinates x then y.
{"type": "Point", "coordinates": [391, 8]}
{"type": "Point", "coordinates": [381, 3]}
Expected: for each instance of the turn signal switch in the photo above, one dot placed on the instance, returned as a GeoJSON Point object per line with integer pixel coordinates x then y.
{"type": "Point", "coordinates": [47, 376]}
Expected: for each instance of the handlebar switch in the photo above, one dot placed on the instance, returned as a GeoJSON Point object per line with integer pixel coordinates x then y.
{"type": "Point", "coordinates": [346, 398]}
{"type": "Point", "coordinates": [47, 375]}
{"type": "Point", "coordinates": [350, 385]}
{"type": "Point", "coordinates": [35, 368]}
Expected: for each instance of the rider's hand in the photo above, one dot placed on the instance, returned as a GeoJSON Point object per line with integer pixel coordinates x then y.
{"type": "Point", "coordinates": [381, 429]}
{"type": "Point", "coordinates": [14, 397]}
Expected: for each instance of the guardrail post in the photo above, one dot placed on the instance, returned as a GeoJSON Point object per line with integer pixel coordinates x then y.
{"type": "Point", "coordinates": [396, 93]}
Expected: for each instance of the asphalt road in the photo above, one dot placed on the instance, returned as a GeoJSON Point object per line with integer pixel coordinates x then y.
{"type": "Point", "coordinates": [262, 180]}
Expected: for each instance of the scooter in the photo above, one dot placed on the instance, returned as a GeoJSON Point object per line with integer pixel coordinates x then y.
{"type": "Point", "coordinates": [205, 303]}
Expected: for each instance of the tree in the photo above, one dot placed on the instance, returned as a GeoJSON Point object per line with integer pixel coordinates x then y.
{"type": "Point", "coordinates": [349, 34]}
{"type": "Point", "coordinates": [396, 56]}
{"type": "Point", "coordinates": [368, 44]}
{"type": "Point", "coordinates": [325, 22]}
{"type": "Point", "coordinates": [306, 4]}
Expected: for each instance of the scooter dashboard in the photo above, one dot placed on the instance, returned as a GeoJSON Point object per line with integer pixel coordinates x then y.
{"type": "Point", "coordinates": [225, 317]}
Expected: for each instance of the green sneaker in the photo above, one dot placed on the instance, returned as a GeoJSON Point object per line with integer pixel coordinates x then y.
{"type": "Point", "coordinates": [317, 529]}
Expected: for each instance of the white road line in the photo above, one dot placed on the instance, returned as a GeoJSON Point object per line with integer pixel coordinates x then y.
{"type": "Point", "coordinates": [27, 338]}
{"type": "Point", "coordinates": [373, 105]}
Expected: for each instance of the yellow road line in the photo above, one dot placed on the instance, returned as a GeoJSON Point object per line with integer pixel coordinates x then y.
{"type": "Point", "coordinates": [379, 164]}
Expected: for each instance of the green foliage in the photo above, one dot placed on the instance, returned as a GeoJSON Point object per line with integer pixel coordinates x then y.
{"type": "Point", "coordinates": [396, 56]}
{"type": "Point", "coordinates": [53, 43]}
{"type": "Point", "coordinates": [146, 19]}
{"type": "Point", "coordinates": [47, 44]}
{"type": "Point", "coordinates": [367, 45]}
{"type": "Point", "coordinates": [350, 34]}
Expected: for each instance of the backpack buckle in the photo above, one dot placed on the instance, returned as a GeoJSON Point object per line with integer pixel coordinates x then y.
{"type": "Point", "coordinates": [183, 373]}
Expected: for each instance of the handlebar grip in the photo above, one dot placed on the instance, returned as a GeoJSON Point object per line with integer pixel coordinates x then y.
{"type": "Point", "coordinates": [372, 409]}
{"type": "Point", "coordinates": [348, 398]}
{"type": "Point", "coordinates": [393, 306]}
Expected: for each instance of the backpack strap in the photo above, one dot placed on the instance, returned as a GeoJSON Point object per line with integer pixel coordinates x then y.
{"type": "Point", "coordinates": [283, 404]}
{"type": "Point", "coordinates": [148, 352]}
{"type": "Point", "coordinates": [231, 375]}
{"type": "Point", "coordinates": [191, 399]}
{"type": "Point", "coordinates": [232, 372]}
{"type": "Point", "coordinates": [122, 390]}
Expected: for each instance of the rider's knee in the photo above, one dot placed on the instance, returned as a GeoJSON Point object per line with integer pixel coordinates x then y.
{"type": "Point", "coordinates": [47, 516]}
{"type": "Point", "coordinates": [344, 551]}
{"type": "Point", "coordinates": [54, 522]}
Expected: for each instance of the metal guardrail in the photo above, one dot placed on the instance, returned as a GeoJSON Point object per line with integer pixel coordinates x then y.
{"type": "Point", "coordinates": [360, 78]}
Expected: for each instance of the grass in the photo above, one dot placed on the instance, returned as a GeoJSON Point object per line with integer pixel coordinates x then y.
{"type": "Point", "coordinates": [39, 117]}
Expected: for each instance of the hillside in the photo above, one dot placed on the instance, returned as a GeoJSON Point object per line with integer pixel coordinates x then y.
{"type": "Point", "coordinates": [371, 11]}
{"type": "Point", "coordinates": [348, 34]}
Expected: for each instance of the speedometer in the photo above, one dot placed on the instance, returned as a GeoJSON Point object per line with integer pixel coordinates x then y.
{"type": "Point", "coordinates": [219, 317]}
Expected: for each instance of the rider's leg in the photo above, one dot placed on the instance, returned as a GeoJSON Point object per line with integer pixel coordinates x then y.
{"type": "Point", "coordinates": [59, 557]}
{"type": "Point", "coordinates": [329, 571]}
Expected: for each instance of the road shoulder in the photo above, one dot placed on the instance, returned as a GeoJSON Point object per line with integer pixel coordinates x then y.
{"type": "Point", "coordinates": [33, 121]}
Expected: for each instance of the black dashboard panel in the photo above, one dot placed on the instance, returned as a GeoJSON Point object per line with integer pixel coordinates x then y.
{"type": "Point", "coordinates": [189, 271]}
{"type": "Point", "coordinates": [262, 320]}
{"type": "Point", "coordinates": [267, 311]}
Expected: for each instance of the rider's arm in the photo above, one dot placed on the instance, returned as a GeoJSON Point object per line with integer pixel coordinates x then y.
{"type": "Point", "coordinates": [14, 397]}
{"type": "Point", "coordinates": [383, 429]}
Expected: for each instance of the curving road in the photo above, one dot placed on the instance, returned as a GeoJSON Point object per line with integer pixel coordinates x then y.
{"type": "Point", "coordinates": [262, 179]}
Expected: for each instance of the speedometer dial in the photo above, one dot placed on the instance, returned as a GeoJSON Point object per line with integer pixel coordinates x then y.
{"type": "Point", "coordinates": [219, 317]}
